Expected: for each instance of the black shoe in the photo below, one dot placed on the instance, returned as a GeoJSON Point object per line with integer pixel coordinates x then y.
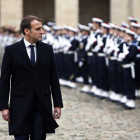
{"type": "Point", "coordinates": [91, 94]}
{"type": "Point", "coordinates": [127, 107]}
{"type": "Point", "coordinates": [108, 99]}
{"type": "Point", "coordinates": [82, 91]}
{"type": "Point", "coordinates": [119, 103]}
{"type": "Point", "coordinates": [101, 97]}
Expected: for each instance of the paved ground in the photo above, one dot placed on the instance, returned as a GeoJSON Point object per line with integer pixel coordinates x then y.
{"type": "Point", "coordinates": [87, 118]}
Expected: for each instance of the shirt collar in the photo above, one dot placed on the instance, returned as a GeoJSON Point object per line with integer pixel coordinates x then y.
{"type": "Point", "coordinates": [27, 43]}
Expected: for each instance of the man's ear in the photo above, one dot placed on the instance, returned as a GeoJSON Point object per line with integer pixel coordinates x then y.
{"type": "Point", "coordinates": [26, 31]}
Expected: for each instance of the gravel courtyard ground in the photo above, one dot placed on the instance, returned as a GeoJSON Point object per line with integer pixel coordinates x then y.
{"type": "Point", "coordinates": [87, 118]}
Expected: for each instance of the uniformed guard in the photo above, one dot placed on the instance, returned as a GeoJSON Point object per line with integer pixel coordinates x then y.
{"type": "Point", "coordinates": [71, 57]}
{"type": "Point", "coordinates": [129, 57]}
{"type": "Point", "coordinates": [93, 46]}
{"type": "Point", "coordinates": [82, 59]}
{"type": "Point", "coordinates": [103, 62]}
{"type": "Point", "coordinates": [65, 45]}
{"type": "Point", "coordinates": [113, 70]}
{"type": "Point", "coordinates": [121, 47]}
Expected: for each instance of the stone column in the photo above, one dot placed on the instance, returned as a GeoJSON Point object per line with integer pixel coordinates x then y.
{"type": "Point", "coordinates": [129, 8]}
{"type": "Point", "coordinates": [118, 11]}
{"type": "Point", "coordinates": [11, 12]}
{"type": "Point", "coordinates": [67, 12]}
{"type": "Point", "coordinates": [136, 9]}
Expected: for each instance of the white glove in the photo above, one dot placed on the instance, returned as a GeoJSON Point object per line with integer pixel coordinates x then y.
{"type": "Point", "coordinates": [126, 51]}
{"type": "Point", "coordinates": [97, 48]}
{"type": "Point", "coordinates": [105, 49]}
{"type": "Point", "coordinates": [109, 50]}
{"type": "Point", "coordinates": [80, 64]}
{"type": "Point", "coordinates": [66, 49]}
{"type": "Point", "coordinates": [121, 56]}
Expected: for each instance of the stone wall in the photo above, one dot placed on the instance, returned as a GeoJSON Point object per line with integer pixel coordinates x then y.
{"type": "Point", "coordinates": [67, 12]}
{"type": "Point", "coordinates": [120, 10]}
{"type": "Point", "coordinates": [11, 12]}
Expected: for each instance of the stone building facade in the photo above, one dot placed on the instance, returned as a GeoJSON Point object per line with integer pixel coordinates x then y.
{"type": "Point", "coordinates": [68, 12]}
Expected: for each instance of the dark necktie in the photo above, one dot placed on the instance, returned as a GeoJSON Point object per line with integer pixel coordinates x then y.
{"type": "Point", "coordinates": [32, 54]}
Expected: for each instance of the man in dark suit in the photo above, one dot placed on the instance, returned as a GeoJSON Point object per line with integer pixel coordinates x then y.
{"type": "Point", "coordinates": [29, 74]}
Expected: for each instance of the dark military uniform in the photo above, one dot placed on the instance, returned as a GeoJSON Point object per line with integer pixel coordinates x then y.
{"type": "Point", "coordinates": [82, 57]}
{"type": "Point", "coordinates": [103, 68]}
{"type": "Point", "coordinates": [128, 69]}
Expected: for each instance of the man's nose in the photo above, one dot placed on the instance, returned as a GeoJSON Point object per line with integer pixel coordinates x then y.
{"type": "Point", "coordinates": [42, 31]}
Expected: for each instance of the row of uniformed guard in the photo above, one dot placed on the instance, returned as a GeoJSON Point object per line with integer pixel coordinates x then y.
{"type": "Point", "coordinates": [107, 56]}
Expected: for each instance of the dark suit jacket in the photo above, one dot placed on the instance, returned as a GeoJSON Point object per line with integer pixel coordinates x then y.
{"type": "Point", "coordinates": [26, 81]}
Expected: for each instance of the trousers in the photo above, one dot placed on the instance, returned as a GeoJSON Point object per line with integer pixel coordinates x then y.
{"type": "Point", "coordinates": [39, 132]}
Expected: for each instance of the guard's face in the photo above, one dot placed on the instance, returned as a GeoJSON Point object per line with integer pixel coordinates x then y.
{"type": "Point", "coordinates": [111, 31]}
{"type": "Point", "coordinates": [126, 37]}
{"type": "Point", "coordinates": [36, 31]}
{"type": "Point", "coordinates": [135, 29]}
{"type": "Point", "coordinates": [103, 30]}
{"type": "Point", "coordinates": [84, 32]}
{"type": "Point", "coordinates": [64, 31]}
{"type": "Point", "coordinates": [138, 31]}
{"type": "Point", "coordinates": [95, 25]}
{"type": "Point", "coordinates": [58, 32]}
{"type": "Point", "coordinates": [71, 33]}
{"type": "Point", "coordinates": [121, 34]}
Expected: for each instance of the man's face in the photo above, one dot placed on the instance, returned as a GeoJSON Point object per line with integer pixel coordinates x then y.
{"type": "Point", "coordinates": [64, 31]}
{"type": "Point", "coordinates": [71, 33]}
{"type": "Point", "coordinates": [111, 31]}
{"type": "Point", "coordinates": [103, 30]}
{"type": "Point", "coordinates": [95, 24]}
{"type": "Point", "coordinates": [138, 31]}
{"type": "Point", "coordinates": [126, 37]}
{"type": "Point", "coordinates": [121, 34]}
{"type": "Point", "coordinates": [58, 32]}
{"type": "Point", "coordinates": [116, 32]}
{"type": "Point", "coordinates": [84, 32]}
{"type": "Point", "coordinates": [36, 31]}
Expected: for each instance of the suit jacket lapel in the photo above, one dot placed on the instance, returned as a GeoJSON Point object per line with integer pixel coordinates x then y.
{"type": "Point", "coordinates": [23, 51]}
{"type": "Point", "coordinates": [39, 52]}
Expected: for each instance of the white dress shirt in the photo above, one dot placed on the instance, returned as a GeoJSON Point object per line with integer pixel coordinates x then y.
{"type": "Point", "coordinates": [28, 49]}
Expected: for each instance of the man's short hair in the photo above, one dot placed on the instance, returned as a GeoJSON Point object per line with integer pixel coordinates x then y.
{"type": "Point", "coordinates": [26, 22]}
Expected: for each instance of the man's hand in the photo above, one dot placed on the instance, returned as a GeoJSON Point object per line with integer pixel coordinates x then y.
{"type": "Point", "coordinates": [6, 114]}
{"type": "Point", "coordinates": [57, 112]}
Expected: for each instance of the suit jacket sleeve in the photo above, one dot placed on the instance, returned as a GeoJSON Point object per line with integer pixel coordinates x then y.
{"type": "Point", "coordinates": [5, 80]}
{"type": "Point", "coordinates": [54, 83]}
